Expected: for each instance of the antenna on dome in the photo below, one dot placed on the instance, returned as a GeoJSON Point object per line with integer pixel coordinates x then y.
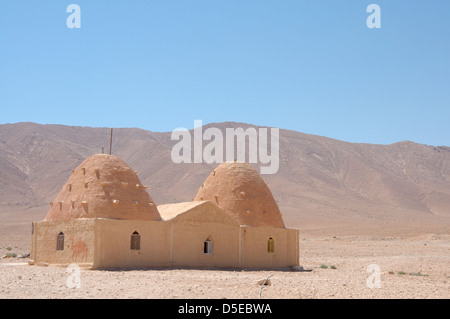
{"type": "Point", "coordinates": [110, 141]}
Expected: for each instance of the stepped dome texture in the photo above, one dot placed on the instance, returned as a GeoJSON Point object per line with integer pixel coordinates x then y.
{"type": "Point", "coordinates": [240, 190]}
{"type": "Point", "coordinates": [103, 186]}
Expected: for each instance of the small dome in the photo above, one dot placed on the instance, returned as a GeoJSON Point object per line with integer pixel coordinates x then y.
{"type": "Point", "coordinates": [239, 189]}
{"type": "Point", "coordinates": [103, 186]}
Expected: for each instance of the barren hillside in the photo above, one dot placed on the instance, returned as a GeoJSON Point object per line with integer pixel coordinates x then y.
{"type": "Point", "coordinates": [321, 182]}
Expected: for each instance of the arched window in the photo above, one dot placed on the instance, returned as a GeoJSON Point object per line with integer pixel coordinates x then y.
{"type": "Point", "coordinates": [135, 243]}
{"type": "Point", "coordinates": [60, 241]}
{"type": "Point", "coordinates": [270, 245]}
{"type": "Point", "coordinates": [208, 246]}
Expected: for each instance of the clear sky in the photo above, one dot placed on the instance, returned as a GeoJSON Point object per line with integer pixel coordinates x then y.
{"type": "Point", "coordinates": [310, 66]}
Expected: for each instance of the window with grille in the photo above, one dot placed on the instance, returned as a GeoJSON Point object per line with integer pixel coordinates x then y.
{"type": "Point", "coordinates": [60, 241]}
{"type": "Point", "coordinates": [270, 245]}
{"type": "Point", "coordinates": [135, 241]}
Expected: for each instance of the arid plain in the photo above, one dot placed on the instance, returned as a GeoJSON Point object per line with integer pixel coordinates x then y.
{"type": "Point", "coordinates": [413, 263]}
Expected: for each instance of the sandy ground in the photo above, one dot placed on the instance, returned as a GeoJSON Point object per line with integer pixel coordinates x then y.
{"type": "Point", "coordinates": [414, 265]}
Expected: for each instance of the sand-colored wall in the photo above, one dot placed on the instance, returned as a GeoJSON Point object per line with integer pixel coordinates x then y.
{"type": "Point", "coordinates": [113, 244]}
{"type": "Point", "coordinates": [190, 229]}
{"type": "Point", "coordinates": [254, 253]}
{"type": "Point", "coordinates": [179, 242]}
{"type": "Point", "coordinates": [188, 245]}
{"type": "Point", "coordinates": [78, 242]}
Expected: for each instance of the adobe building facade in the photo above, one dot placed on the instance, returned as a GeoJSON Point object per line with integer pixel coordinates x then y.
{"type": "Point", "coordinates": [104, 218]}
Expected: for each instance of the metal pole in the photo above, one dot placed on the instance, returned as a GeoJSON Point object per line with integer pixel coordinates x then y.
{"type": "Point", "coordinates": [110, 142]}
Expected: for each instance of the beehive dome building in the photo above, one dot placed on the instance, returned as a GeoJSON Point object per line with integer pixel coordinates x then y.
{"type": "Point", "coordinates": [240, 190]}
{"type": "Point", "coordinates": [104, 218]}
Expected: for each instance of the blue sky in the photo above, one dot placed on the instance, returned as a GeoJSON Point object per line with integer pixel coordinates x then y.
{"type": "Point", "coordinates": [309, 66]}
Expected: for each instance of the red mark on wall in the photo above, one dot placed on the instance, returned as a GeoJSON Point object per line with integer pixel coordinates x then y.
{"type": "Point", "coordinates": [79, 249]}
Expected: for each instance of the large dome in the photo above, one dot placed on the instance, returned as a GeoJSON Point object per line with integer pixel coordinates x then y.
{"type": "Point", "coordinates": [103, 186]}
{"type": "Point", "coordinates": [239, 189]}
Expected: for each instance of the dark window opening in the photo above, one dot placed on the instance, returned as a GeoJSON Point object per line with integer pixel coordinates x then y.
{"type": "Point", "coordinates": [135, 243]}
{"type": "Point", "coordinates": [60, 241]}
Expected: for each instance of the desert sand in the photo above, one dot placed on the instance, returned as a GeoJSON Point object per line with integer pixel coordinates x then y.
{"type": "Point", "coordinates": [413, 262]}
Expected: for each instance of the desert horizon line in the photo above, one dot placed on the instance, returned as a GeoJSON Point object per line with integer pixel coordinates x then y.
{"type": "Point", "coordinates": [224, 122]}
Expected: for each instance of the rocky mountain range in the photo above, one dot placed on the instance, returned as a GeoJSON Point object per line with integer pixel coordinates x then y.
{"type": "Point", "coordinates": [320, 181]}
